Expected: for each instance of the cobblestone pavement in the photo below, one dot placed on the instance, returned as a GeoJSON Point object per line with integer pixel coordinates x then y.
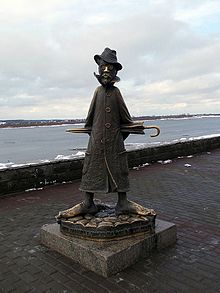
{"type": "Point", "coordinates": [188, 195]}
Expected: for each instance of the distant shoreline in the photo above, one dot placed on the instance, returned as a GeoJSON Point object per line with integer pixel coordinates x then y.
{"type": "Point", "coordinates": [57, 122]}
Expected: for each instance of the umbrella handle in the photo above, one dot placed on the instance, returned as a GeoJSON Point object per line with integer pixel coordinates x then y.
{"type": "Point", "coordinates": [153, 127]}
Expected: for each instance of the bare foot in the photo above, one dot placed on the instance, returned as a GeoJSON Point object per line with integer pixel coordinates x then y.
{"type": "Point", "coordinates": [79, 209]}
{"type": "Point", "coordinates": [130, 207]}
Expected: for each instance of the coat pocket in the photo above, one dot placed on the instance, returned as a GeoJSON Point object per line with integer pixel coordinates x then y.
{"type": "Point", "coordinates": [86, 163]}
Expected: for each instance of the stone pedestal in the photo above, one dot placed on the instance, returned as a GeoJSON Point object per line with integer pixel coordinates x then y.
{"type": "Point", "coordinates": [108, 257]}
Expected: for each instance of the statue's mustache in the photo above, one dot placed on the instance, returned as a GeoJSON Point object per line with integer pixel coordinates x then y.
{"type": "Point", "coordinates": [99, 78]}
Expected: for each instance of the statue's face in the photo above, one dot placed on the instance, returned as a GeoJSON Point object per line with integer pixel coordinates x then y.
{"type": "Point", "coordinates": [107, 72]}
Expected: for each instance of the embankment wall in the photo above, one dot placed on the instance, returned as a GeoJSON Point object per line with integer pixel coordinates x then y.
{"type": "Point", "coordinates": [17, 179]}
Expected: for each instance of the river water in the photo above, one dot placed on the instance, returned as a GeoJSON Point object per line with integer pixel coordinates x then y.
{"type": "Point", "coordinates": [33, 144]}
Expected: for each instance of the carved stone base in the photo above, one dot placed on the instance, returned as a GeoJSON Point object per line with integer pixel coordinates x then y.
{"type": "Point", "coordinates": [105, 225]}
{"type": "Point", "coordinates": [108, 257]}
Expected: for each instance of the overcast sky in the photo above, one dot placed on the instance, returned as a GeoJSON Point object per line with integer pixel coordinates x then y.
{"type": "Point", "coordinates": [169, 49]}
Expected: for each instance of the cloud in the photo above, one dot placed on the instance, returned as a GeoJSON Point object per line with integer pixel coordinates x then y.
{"type": "Point", "coordinates": [168, 51]}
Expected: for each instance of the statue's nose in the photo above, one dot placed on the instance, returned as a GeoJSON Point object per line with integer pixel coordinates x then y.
{"type": "Point", "coordinates": [106, 69]}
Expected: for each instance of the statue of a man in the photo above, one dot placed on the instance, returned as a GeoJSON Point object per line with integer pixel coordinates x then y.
{"type": "Point", "coordinates": [105, 167]}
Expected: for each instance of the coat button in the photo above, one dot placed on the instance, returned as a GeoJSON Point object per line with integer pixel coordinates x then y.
{"type": "Point", "coordinates": [108, 94]}
{"type": "Point", "coordinates": [108, 109]}
{"type": "Point", "coordinates": [107, 125]}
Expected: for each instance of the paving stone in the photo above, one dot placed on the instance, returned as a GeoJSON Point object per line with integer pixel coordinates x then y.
{"type": "Point", "coordinates": [91, 284]}
{"type": "Point", "coordinates": [107, 283]}
{"type": "Point", "coordinates": [21, 286]}
{"type": "Point", "coordinates": [42, 277]}
{"type": "Point", "coordinates": [76, 287]}
{"type": "Point", "coordinates": [8, 285]}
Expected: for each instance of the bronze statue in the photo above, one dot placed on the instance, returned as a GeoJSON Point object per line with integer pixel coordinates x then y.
{"type": "Point", "coordinates": [108, 123]}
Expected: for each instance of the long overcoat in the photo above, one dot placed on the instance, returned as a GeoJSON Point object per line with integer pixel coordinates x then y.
{"type": "Point", "coordinates": [105, 166]}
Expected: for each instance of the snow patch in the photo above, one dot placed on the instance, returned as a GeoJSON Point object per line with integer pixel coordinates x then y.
{"type": "Point", "coordinates": [6, 165]}
{"type": "Point", "coordinates": [33, 189]}
{"type": "Point", "coordinates": [165, 162]}
{"type": "Point", "coordinates": [187, 165]}
{"type": "Point", "coordinates": [63, 157]}
{"type": "Point", "coordinates": [146, 164]}
{"type": "Point", "coordinates": [136, 168]}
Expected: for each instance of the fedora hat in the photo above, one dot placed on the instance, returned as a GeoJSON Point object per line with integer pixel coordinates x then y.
{"type": "Point", "coordinates": [108, 56]}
